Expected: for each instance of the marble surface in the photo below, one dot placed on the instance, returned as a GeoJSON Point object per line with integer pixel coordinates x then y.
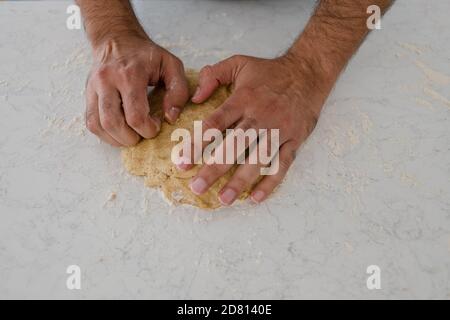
{"type": "Point", "coordinates": [370, 187]}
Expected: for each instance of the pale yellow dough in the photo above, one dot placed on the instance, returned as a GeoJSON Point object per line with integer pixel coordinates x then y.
{"type": "Point", "coordinates": [151, 158]}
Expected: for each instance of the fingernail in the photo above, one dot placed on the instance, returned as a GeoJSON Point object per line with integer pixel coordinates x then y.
{"type": "Point", "coordinates": [227, 197]}
{"type": "Point", "coordinates": [257, 196]}
{"type": "Point", "coordinates": [198, 186]}
{"type": "Point", "coordinates": [173, 114]}
{"type": "Point", "coordinates": [197, 91]}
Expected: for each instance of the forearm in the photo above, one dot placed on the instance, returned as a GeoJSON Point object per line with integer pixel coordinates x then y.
{"type": "Point", "coordinates": [109, 19]}
{"type": "Point", "coordinates": [332, 36]}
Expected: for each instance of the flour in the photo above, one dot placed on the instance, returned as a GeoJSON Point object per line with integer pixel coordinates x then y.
{"type": "Point", "coordinates": [57, 125]}
{"type": "Point", "coordinates": [366, 123]}
{"type": "Point", "coordinates": [433, 75]}
{"type": "Point", "coordinates": [412, 48]}
{"type": "Point", "coordinates": [409, 179]}
{"type": "Point", "coordinates": [187, 48]}
{"type": "Point", "coordinates": [436, 96]}
{"type": "Point", "coordinates": [353, 136]}
{"type": "Point", "coordinates": [424, 103]}
{"type": "Point", "coordinates": [78, 59]}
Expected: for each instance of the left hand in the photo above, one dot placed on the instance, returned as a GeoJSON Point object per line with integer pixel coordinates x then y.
{"type": "Point", "coordinates": [281, 93]}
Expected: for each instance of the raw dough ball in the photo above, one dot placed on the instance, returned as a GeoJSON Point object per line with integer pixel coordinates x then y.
{"type": "Point", "coordinates": [151, 158]}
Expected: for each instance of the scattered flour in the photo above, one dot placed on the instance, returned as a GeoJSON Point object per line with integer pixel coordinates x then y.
{"type": "Point", "coordinates": [412, 47]}
{"type": "Point", "coordinates": [79, 58]}
{"type": "Point", "coordinates": [424, 102]}
{"type": "Point", "coordinates": [433, 75]}
{"type": "Point", "coordinates": [59, 124]}
{"type": "Point", "coordinates": [436, 96]}
{"type": "Point", "coordinates": [187, 48]}
{"type": "Point", "coordinates": [409, 179]}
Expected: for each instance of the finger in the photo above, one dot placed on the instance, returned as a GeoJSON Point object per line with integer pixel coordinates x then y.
{"type": "Point", "coordinates": [243, 179]}
{"type": "Point", "coordinates": [270, 182]}
{"type": "Point", "coordinates": [224, 117]}
{"type": "Point", "coordinates": [226, 154]}
{"type": "Point", "coordinates": [249, 172]}
{"type": "Point", "coordinates": [137, 110]}
{"type": "Point", "coordinates": [207, 176]}
{"type": "Point", "coordinates": [177, 91]}
{"type": "Point", "coordinates": [112, 118]}
{"type": "Point", "coordinates": [93, 118]}
{"type": "Point", "coordinates": [211, 77]}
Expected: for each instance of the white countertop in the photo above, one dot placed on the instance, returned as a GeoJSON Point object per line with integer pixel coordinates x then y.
{"type": "Point", "coordinates": [370, 187]}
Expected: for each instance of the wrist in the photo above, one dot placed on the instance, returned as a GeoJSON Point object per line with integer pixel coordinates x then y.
{"type": "Point", "coordinates": [119, 45]}
{"type": "Point", "coordinates": [307, 66]}
{"type": "Point", "coordinates": [109, 20]}
{"type": "Point", "coordinates": [117, 36]}
{"type": "Point", "coordinates": [304, 82]}
{"type": "Point", "coordinates": [310, 57]}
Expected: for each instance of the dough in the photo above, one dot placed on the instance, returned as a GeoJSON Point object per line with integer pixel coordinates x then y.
{"type": "Point", "coordinates": [151, 158]}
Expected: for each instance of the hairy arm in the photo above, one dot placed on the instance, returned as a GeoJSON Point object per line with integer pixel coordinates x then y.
{"type": "Point", "coordinates": [332, 35]}
{"type": "Point", "coordinates": [106, 19]}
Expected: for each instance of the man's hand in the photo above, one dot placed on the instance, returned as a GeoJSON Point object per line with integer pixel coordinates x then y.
{"type": "Point", "coordinates": [126, 62]}
{"type": "Point", "coordinates": [117, 106]}
{"type": "Point", "coordinates": [268, 94]}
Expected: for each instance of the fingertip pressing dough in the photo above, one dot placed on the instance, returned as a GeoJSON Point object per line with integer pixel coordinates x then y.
{"type": "Point", "coordinates": [151, 158]}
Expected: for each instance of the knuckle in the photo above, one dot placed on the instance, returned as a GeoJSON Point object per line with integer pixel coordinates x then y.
{"type": "Point", "coordinates": [107, 105]}
{"type": "Point", "coordinates": [132, 97]}
{"type": "Point", "coordinates": [249, 122]}
{"type": "Point", "coordinates": [240, 183]}
{"type": "Point", "coordinates": [177, 61]}
{"type": "Point", "coordinates": [110, 123]}
{"type": "Point", "coordinates": [135, 119]}
{"type": "Point", "coordinates": [177, 91]}
{"type": "Point", "coordinates": [206, 70]}
{"type": "Point", "coordinates": [101, 73]}
{"type": "Point", "coordinates": [237, 58]}
{"type": "Point", "coordinates": [92, 124]}
{"type": "Point", "coordinates": [214, 121]}
{"type": "Point", "coordinates": [214, 171]}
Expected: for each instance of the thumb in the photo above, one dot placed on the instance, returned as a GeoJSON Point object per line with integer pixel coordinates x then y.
{"type": "Point", "coordinates": [211, 77]}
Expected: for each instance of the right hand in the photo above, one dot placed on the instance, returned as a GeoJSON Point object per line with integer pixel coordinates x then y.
{"type": "Point", "coordinates": [117, 108]}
